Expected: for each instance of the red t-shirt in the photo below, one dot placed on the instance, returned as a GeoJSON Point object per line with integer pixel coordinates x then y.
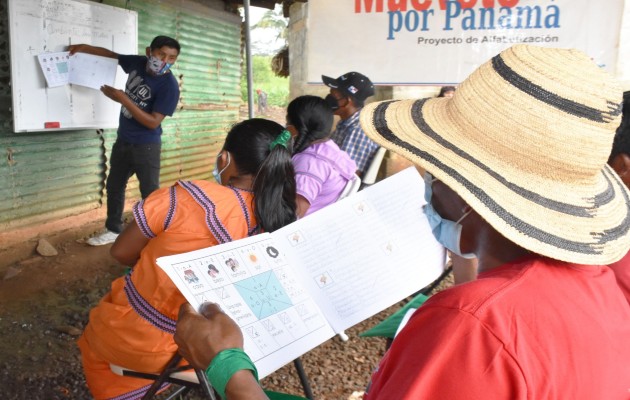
{"type": "Point", "coordinates": [622, 272]}
{"type": "Point", "coordinates": [533, 329]}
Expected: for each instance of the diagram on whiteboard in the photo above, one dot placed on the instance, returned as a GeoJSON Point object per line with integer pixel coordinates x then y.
{"type": "Point", "coordinates": [49, 87]}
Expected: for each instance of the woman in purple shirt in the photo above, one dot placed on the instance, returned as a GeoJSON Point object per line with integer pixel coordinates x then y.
{"type": "Point", "coordinates": [322, 169]}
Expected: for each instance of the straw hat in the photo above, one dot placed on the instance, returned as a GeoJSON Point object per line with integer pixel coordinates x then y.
{"type": "Point", "coordinates": [524, 141]}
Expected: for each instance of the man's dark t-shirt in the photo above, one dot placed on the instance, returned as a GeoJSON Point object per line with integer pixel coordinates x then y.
{"type": "Point", "coordinates": [150, 93]}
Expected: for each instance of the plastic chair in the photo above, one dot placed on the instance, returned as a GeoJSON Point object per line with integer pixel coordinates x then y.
{"type": "Point", "coordinates": [184, 376]}
{"type": "Point", "coordinates": [369, 178]}
{"type": "Point", "coordinates": [188, 378]}
{"type": "Point", "coordinates": [351, 187]}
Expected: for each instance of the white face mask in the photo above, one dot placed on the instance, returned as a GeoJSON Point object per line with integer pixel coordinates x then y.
{"type": "Point", "coordinates": [216, 173]}
{"type": "Point", "coordinates": [157, 66]}
{"type": "Point", "coordinates": [448, 233]}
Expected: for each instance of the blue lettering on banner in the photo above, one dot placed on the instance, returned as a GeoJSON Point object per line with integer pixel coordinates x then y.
{"type": "Point", "coordinates": [411, 21]}
{"type": "Point", "coordinates": [525, 17]}
{"type": "Point", "coordinates": [515, 17]}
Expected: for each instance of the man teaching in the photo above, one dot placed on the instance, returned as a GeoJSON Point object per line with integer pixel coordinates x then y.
{"type": "Point", "coordinates": [151, 93]}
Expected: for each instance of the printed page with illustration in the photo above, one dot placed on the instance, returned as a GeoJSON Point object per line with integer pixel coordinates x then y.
{"type": "Point", "coordinates": [293, 289]}
{"type": "Point", "coordinates": [82, 69]}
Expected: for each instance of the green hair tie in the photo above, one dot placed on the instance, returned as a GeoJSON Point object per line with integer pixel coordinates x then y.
{"type": "Point", "coordinates": [282, 139]}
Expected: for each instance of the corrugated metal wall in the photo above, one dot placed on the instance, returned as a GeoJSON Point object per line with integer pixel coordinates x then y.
{"type": "Point", "coordinates": [47, 176]}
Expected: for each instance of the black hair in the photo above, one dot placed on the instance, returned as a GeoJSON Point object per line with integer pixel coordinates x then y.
{"type": "Point", "coordinates": [621, 144]}
{"type": "Point", "coordinates": [312, 117]}
{"type": "Point", "coordinates": [274, 179]}
{"type": "Point", "coordinates": [445, 89]}
{"type": "Point", "coordinates": [160, 41]}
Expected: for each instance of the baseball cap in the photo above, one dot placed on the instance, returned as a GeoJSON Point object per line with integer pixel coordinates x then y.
{"type": "Point", "coordinates": [354, 84]}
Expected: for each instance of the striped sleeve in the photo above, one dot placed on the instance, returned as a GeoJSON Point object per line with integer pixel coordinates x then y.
{"type": "Point", "coordinates": [155, 213]}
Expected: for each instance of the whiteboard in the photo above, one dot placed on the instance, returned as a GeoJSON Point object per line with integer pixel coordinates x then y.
{"type": "Point", "coordinates": [39, 26]}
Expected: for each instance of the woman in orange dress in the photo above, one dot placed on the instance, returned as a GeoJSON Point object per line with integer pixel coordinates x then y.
{"type": "Point", "coordinates": [133, 325]}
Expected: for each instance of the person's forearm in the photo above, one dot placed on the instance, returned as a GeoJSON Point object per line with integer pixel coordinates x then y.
{"type": "Point", "coordinates": [146, 119]}
{"type": "Point", "coordinates": [129, 244]}
{"type": "Point", "coordinates": [97, 51]}
{"type": "Point", "coordinates": [243, 386]}
{"type": "Point", "coordinates": [302, 205]}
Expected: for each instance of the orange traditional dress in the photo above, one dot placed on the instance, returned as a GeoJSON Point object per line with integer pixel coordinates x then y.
{"type": "Point", "coordinates": [133, 325]}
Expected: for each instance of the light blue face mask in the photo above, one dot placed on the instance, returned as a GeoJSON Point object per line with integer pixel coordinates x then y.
{"type": "Point", "coordinates": [446, 232]}
{"type": "Point", "coordinates": [157, 66]}
{"type": "Point", "coordinates": [216, 173]}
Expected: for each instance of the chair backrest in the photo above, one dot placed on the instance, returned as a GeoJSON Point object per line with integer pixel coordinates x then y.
{"type": "Point", "coordinates": [369, 177]}
{"type": "Point", "coordinates": [352, 186]}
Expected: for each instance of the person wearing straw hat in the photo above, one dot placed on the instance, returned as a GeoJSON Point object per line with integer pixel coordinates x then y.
{"type": "Point", "coordinates": [517, 157]}
{"type": "Point", "coordinates": [619, 160]}
{"type": "Point", "coordinates": [516, 175]}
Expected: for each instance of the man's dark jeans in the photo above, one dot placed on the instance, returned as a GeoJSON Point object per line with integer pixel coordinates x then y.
{"type": "Point", "coordinates": [128, 159]}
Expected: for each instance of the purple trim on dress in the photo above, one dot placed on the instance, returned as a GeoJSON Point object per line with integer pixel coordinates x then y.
{"type": "Point", "coordinates": [171, 208]}
{"type": "Point", "coordinates": [141, 219]}
{"type": "Point", "coordinates": [146, 310]}
{"type": "Point", "coordinates": [212, 220]}
{"type": "Point", "coordinates": [138, 393]}
{"type": "Point", "coordinates": [250, 230]}
{"type": "Point", "coordinates": [254, 231]}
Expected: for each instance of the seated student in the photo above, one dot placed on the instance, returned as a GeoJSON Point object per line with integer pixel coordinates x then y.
{"type": "Point", "coordinates": [347, 97]}
{"type": "Point", "coordinates": [545, 318]}
{"type": "Point", "coordinates": [464, 267]}
{"type": "Point", "coordinates": [133, 324]}
{"type": "Point", "coordinates": [620, 161]}
{"type": "Point", "coordinates": [447, 91]}
{"type": "Point", "coordinates": [322, 169]}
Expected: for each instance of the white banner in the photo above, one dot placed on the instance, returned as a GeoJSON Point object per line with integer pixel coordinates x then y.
{"type": "Point", "coordinates": [438, 42]}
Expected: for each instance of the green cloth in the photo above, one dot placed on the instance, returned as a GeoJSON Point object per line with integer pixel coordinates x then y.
{"type": "Point", "coordinates": [225, 364]}
{"type": "Point", "coordinates": [282, 396]}
{"type": "Point", "coordinates": [389, 326]}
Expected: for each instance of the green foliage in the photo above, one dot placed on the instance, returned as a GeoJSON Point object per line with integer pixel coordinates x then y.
{"type": "Point", "coordinates": [277, 88]}
{"type": "Point", "coordinates": [273, 19]}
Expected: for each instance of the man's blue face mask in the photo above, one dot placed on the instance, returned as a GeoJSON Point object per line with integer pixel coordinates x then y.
{"type": "Point", "coordinates": [446, 232]}
{"type": "Point", "coordinates": [158, 66]}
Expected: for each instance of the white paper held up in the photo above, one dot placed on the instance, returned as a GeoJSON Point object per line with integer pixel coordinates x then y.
{"type": "Point", "coordinates": [92, 71]}
{"type": "Point", "coordinates": [55, 67]}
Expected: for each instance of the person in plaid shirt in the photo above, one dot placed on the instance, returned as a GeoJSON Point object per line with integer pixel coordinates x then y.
{"type": "Point", "coordinates": [347, 96]}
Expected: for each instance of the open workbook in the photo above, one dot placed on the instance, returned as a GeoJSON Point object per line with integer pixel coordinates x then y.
{"type": "Point", "coordinates": [293, 289]}
{"type": "Point", "coordinates": [82, 69]}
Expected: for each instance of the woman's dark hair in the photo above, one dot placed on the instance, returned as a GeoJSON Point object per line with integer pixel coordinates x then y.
{"type": "Point", "coordinates": [621, 144]}
{"type": "Point", "coordinates": [160, 41]}
{"type": "Point", "coordinates": [445, 89]}
{"type": "Point", "coordinates": [274, 179]}
{"type": "Point", "coordinates": [312, 117]}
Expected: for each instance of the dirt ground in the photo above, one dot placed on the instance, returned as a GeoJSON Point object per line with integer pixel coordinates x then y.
{"type": "Point", "coordinates": [44, 305]}
{"type": "Point", "coordinates": [44, 308]}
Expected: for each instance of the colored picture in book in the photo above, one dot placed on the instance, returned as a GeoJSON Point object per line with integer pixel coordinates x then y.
{"type": "Point", "coordinates": [263, 294]}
